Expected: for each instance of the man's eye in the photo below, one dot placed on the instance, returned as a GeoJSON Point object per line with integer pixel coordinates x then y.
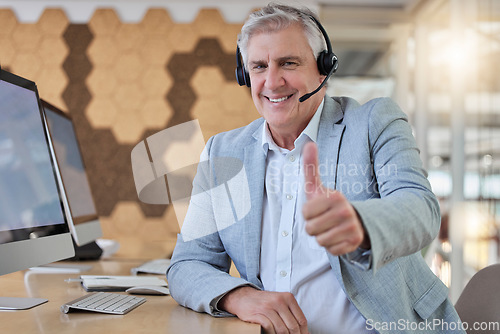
{"type": "Point", "coordinates": [289, 64]}
{"type": "Point", "coordinates": [258, 68]}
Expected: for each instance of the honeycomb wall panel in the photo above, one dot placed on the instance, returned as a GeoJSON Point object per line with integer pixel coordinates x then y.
{"type": "Point", "coordinates": [122, 82]}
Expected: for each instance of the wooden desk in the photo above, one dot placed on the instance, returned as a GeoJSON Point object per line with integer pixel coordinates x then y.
{"type": "Point", "coordinates": [160, 314]}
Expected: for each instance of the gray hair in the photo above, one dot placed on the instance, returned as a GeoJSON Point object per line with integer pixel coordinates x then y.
{"type": "Point", "coordinates": [275, 17]}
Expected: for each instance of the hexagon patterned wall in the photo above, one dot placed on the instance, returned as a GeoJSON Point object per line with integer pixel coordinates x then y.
{"type": "Point", "coordinates": [122, 82]}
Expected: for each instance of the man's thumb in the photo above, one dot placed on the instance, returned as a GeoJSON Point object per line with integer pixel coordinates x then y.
{"type": "Point", "coordinates": [312, 179]}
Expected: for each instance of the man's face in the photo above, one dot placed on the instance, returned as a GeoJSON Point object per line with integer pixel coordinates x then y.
{"type": "Point", "coordinates": [282, 68]}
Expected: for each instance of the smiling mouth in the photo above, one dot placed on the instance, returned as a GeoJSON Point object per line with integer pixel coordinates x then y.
{"type": "Point", "coordinates": [281, 99]}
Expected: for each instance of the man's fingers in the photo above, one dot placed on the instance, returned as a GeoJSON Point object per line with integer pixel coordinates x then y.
{"type": "Point", "coordinates": [277, 323]}
{"type": "Point", "coordinates": [341, 248]}
{"type": "Point", "coordinates": [292, 324]}
{"type": "Point", "coordinates": [322, 213]}
{"type": "Point", "coordinates": [342, 238]}
{"type": "Point", "coordinates": [300, 317]}
{"type": "Point", "coordinates": [315, 207]}
{"type": "Point", "coordinates": [291, 314]}
{"type": "Point", "coordinates": [283, 321]}
{"type": "Point", "coordinates": [264, 322]}
{"type": "Point", "coordinates": [276, 312]}
{"type": "Point", "coordinates": [318, 205]}
{"type": "Point", "coordinates": [312, 180]}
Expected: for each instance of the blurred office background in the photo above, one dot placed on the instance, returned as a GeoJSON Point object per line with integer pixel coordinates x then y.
{"type": "Point", "coordinates": [127, 69]}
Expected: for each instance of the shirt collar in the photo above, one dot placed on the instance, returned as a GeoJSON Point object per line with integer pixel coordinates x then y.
{"type": "Point", "coordinates": [310, 131]}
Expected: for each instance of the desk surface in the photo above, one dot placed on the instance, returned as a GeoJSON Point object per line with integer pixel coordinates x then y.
{"type": "Point", "coordinates": [160, 314]}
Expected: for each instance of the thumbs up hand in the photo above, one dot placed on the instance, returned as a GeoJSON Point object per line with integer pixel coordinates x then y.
{"type": "Point", "coordinates": [329, 215]}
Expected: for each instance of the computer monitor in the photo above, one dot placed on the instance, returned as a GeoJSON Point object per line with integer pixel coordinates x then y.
{"type": "Point", "coordinates": [77, 197]}
{"type": "Point", "coordinates": [33, 227]}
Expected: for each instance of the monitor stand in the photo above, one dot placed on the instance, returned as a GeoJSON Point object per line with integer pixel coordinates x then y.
{"type": "Point", "coordinates": [19, 303]}
{"type": "Point", "coordinates": [87, 252]}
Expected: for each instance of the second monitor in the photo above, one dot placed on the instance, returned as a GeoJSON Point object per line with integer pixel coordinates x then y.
{"type": "Point", "coordinates": [77, 196]}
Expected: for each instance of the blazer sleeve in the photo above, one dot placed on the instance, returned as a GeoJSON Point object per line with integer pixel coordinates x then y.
{"type": "Point", "coordinates": [199, 272]}
{"type": "Point", "coordinates": [406, 216]}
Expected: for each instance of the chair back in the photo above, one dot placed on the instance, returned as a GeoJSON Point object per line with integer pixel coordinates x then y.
{"type": "Point", "coordinates": [479, 302]}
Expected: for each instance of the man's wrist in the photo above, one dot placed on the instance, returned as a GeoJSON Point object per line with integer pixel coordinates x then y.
{"type": "Point", "coordinates": [228, 302]}
{"type": "Point", "coordinates": [365, 244]}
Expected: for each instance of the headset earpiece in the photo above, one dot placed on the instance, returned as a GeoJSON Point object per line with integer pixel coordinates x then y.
{"type": "Point", "coordinates": [327, 62]}
{"type": "Point", "coordinates": [242, 76]}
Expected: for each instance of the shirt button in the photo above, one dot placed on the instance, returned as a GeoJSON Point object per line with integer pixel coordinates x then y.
{"type": "Point", "coordinates": [289, 196]}
{"type": "Point", "coordinates": [292, 158]}
{"type": "Point", "coordinates": [283, 273]}
{"type": "Point", "coordinates": [284, 233]}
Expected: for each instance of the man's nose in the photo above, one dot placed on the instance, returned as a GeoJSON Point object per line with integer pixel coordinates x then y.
{"type": "Point", "coordinates": [274, 77]}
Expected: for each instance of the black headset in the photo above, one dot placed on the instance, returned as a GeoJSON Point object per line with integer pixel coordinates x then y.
{"type": "Point", "coordinates": [327, 61]}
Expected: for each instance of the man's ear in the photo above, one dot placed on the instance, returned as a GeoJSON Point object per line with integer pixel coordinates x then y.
{"type": "Point", "coordinates": [321, 78]}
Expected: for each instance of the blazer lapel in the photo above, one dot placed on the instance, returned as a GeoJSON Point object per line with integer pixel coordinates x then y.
{"type": "Point", "coordinates": [329, 140]}
{"type": "Point", "coordinates": [255, 164]}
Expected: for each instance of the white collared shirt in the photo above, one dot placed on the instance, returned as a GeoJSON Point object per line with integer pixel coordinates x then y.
{"type": "Point", "coordinates": [291, 260]}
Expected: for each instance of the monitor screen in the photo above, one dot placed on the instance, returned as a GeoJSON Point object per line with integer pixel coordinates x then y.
{"type": "Point", "coordinates": [77, 196]}
{"type": "Point", "coordinates": [33, 228]}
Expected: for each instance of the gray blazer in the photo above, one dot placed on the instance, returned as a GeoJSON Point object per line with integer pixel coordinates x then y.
{"type": "Point", "coordinates": [369, 154]}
